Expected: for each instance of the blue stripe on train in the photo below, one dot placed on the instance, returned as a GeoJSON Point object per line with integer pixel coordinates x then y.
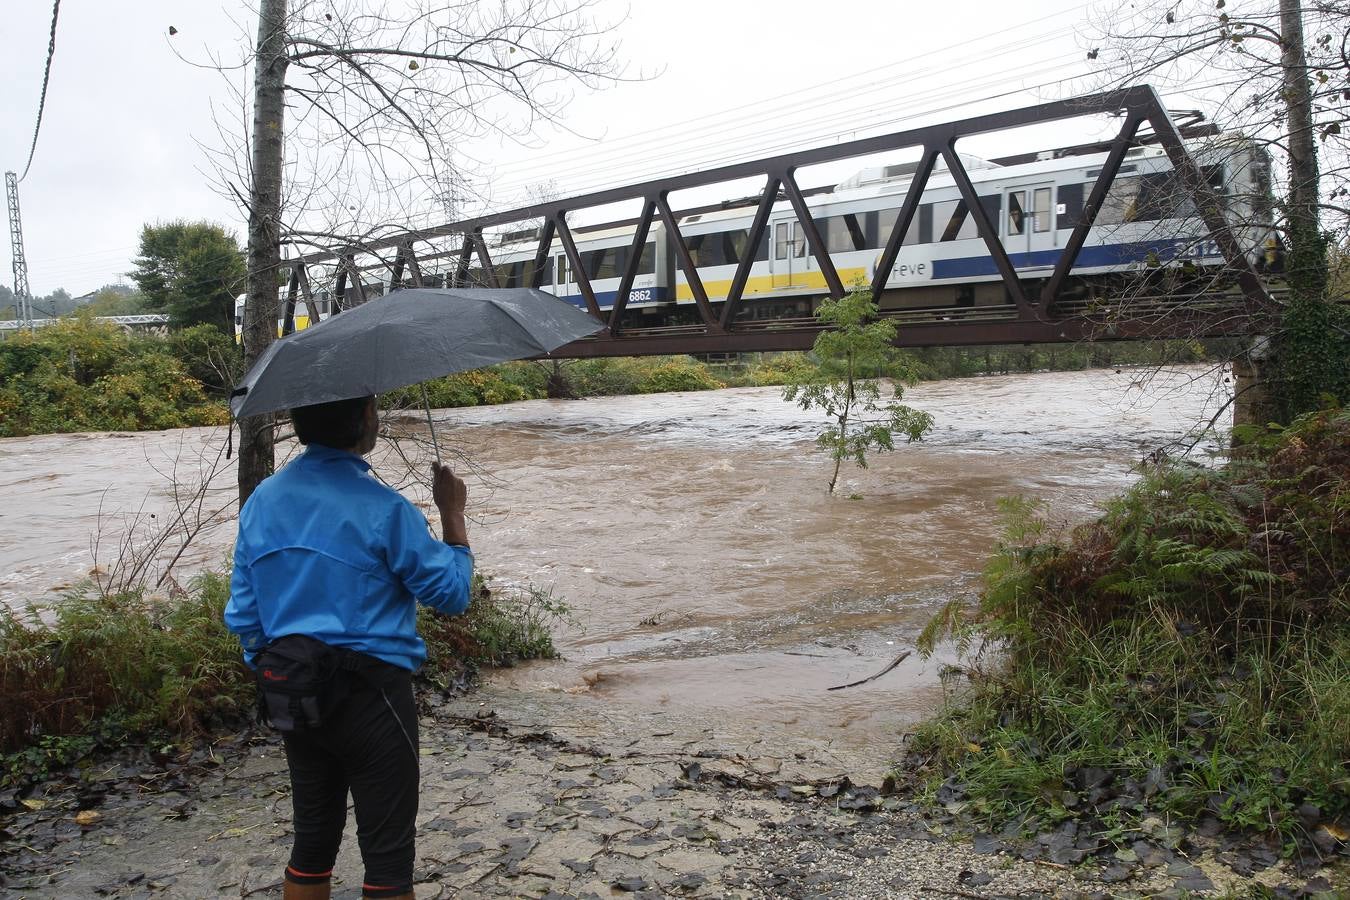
{"type": "Point", "coordinates": [1088, 258]}
{"type": "Point", "coordinates": [636, 297]}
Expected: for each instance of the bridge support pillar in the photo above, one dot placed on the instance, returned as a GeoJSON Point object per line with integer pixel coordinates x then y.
{"type": "Point", "coordinates": [1252, 404]}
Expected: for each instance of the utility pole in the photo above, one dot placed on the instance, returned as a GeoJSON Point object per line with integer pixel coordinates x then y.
{"type": "Point", "coordinates": [22, 298]}
{"type": "Point", "coordinates": [256, 456]}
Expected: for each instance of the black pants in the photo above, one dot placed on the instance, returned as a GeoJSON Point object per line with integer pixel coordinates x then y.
{"type": "Point", "coordinates": [370, 748]}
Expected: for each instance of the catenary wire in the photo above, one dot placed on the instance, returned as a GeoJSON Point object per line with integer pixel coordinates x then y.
{"type": "Point", "coordinates": [42, 100]}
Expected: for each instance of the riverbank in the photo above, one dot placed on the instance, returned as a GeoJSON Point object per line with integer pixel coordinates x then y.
{"type": "Point", "coordinates": [572, 800]}
{"type": "Point", "coordinates": [79, 375]}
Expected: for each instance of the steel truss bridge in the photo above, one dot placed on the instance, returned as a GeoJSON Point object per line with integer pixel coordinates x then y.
{"type": "Point", "coordinates": [1034, 312]}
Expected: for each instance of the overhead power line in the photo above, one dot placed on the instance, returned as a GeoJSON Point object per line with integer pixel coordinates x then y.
{"type": "Point", "coordinates": [42, 100]}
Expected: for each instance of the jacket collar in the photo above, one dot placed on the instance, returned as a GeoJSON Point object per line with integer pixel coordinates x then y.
{"type": "Point", "coordinates": [320, 453]}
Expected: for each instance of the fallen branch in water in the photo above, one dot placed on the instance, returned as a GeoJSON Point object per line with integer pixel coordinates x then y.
{"type": "Point", "coordinates": [893, 663]}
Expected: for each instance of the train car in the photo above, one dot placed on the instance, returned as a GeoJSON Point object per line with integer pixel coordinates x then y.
{"type": "Point", "coordinates": [604, 255]}
{"type": "Point", "coordinates": [943, 261]}
{"type": "Point", "coordinates": [300, 321]}
{"type": "Point", "coordinates": [1034, 202]}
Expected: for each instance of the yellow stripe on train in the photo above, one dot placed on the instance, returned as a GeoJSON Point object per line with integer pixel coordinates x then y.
{"type": "Point", "coordinates": [765, 284]}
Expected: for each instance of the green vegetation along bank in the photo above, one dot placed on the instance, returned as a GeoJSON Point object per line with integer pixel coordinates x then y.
{"type": "Point", "coordinates": [1184, 658]}
{"type": "Point", "coordinates": [101, 670]}
{"type": "Point", "coordinates": [80, 375]}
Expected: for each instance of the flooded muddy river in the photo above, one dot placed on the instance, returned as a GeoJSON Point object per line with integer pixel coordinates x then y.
{"type": "Point", "coordinates": [713, 582]}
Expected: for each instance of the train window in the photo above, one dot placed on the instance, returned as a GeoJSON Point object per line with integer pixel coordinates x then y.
{"type": "Point", "coordinates": [564, 274]}
{"type": "Point", "coordinates": [1071, 205]}
{"type": "Point", "coordinates": [1040, 205]}
{"type": "Point", "coordinates": [697, 253]}
{"type": "Point", "coordinates": [960, 225]}
{"type": "Point", "coordinates": [1163, 196]}
{"type": "Point", "coordinates": [842, 234]}
{"type": "Point", "coordinates": [605, 263]}
{"type": "Point", "coordinates": [1017, 223]}
{"type": "Point", "coordinates": [1118, 205]}
{"type": "Point", "coordinates": [885, 220]}
{"type": "Point", "coordinates": [720, 248]}
{"type": "Point", "coordinates": [647, 262]}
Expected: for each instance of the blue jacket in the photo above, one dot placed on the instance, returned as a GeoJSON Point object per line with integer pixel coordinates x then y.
{"type": "Point", "coordinates": [326, 550]}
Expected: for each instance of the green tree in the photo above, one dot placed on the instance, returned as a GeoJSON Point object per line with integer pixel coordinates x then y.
{"type": "Point", "coordinates": [116, 300]}
{"type": "Point", "coordinates": [191, 270]}
{"type": "Point", "coordinates": [847, 361]}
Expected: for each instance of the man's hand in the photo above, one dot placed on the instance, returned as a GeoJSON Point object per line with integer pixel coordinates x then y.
{"type": "Point", "coordinates": [449, 493]}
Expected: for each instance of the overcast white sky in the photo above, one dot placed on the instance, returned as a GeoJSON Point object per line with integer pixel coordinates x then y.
{"type": "Point", "coordinates": [734, 80]}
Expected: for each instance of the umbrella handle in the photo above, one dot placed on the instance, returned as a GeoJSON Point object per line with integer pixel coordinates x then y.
{"type": "Point", "coordinates": [426, 405]}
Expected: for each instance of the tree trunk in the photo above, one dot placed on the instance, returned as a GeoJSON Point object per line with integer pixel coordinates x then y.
{"type": "Point", "coordinates": [256, 458]}
{"type": "Point", "coordinates": [1309, 353]}
{"type": "Point", "coordinates": [1298, 98]}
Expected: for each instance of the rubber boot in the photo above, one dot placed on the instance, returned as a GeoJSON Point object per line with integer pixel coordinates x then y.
{"type": "Point", "coordinates": [292, 891]}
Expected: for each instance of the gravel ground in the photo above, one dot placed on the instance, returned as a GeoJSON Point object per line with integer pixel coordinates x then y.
{"type": "Point", "coordinates": [510, 809]}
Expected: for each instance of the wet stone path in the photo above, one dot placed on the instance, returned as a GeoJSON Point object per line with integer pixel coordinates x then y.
{"type": "Point", "coordinates": [510, 809]}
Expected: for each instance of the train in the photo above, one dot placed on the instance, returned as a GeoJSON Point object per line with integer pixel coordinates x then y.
{"type": "Point", "coordinates": [1145, 224]}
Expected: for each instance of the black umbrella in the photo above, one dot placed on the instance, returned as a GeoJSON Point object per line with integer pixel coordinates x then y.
{"type": "Point", "coordinates": [408, 336]}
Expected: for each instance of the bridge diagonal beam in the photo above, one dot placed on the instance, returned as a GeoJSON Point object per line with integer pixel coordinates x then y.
{"type": "Point", "coordinates": [808, 224]}
{"type": "Point", "coordinates": [292, 291]}
{"type": "Point", "coordinates": [574, 260]}
{"type": "Point", "coordinates": [758, 228]}
{"type": "Point", "coordinates": [987, 230]}
{"type": "Point", "coordinates": [307, 293]}
{"type": "Point", "coordinates": [485, 259]}
{"type": "Point", "coordinates": [686, 258]}
{"type": "Point", "coordinates": [913, 197]}
{"type": "Point", "coordinates": [339, 289]}
{"type": "Point", "coordinates": [541, 254]}
{"type": "Point", "coordinates": [461, 276]}
{"type": "Point", "coordinates": [1114, 157]}
{"type": "Point", "coordinates": [1207, 202]}
{"type": "Point", "coordinates": [409, 255]}
{"type": "Point", "coordinates": [634, 262]}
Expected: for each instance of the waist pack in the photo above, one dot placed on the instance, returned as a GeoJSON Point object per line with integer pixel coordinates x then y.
{"type": "Point", "coordinates": [300, 681]}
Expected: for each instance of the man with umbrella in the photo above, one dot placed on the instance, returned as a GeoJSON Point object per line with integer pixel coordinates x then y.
{"type": "Point", "coordinates": [328, 557]}
{"type": "Point", "coordinates": [326, 550]}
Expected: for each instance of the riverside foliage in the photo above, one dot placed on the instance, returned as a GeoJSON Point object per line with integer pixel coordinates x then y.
{"type": "Point", "coordinates": [1188, 653]}
{"type": "Point", "coordinates": [79, 375]}
{"type": "Point", "coordinates": [100, 669]}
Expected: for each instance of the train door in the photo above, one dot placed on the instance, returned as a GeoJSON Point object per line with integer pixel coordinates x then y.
{"type": "Point", "coordinates": [787, 254]}
{"type": "Point", "coordinates": [1029, 220]}
{"type": "Point", "coordinates": [563, 284]}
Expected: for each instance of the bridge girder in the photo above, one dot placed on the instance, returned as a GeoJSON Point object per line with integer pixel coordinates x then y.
{"type": "Point", "coordinates": [1035, 318]}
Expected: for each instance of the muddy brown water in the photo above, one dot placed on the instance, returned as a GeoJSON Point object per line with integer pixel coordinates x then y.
{"type": "Point", "coordinates": [713, 583]}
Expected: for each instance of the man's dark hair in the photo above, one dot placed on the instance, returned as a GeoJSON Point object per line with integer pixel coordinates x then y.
{"type": "Point", "coordinates": [339, 424]}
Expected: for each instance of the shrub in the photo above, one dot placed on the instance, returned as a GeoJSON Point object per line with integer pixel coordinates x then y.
{"type": "Point", "coordinates": [638, 375]}
{"type": "Point", "coordinates": [78, 375]}
{"type": "Point", "coordinates": [1192, 646]}
{"type": "Point", "coordinates": [99, 670]}
{"type": "Point", "coordinates": [678, 375]}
